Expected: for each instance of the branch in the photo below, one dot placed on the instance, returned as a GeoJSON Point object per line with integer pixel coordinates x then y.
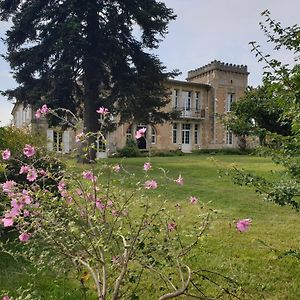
{"type": "Point", "coordinates": [180, 291]}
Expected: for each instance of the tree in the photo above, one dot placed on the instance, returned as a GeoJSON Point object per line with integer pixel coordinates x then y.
{"type": "Point", "coordinates": [284, 81]}
{"type": "Point", "coordinates": [257, 114]}
{"type": "Point", "coordinates": [81, 55]}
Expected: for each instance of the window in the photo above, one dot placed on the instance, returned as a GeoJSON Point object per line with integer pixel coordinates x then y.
{"type": "Point", "coordinates": [197, 101]}
{"type": "Point", "coordinates": [196, 134]}
{"type": "Point", "coordinates": [57, 141]}
{"type": "Point", "coordinates": [176, 98]}
{"type": "Point", "coordinates": [187, 105]}
{"type": "Point", "coordinates": [230, 99]}
{"type": "Point", "coordinates": [174, 133]}
{"type": "Point", "coordinates": [186, 133]}
{"type": "Point", "coordinates": [153, 135]}
{"type": "Point", "coordinates": [229, 137]}
{"type": "Point", "coordinates": [129, 133]}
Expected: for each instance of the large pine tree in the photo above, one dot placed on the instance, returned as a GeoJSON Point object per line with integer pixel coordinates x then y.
{"type": "Point", "coordinates": [82, 54]}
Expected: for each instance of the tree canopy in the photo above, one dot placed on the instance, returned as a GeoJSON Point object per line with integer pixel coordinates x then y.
{"type": "Point", "coordinates": [81, 55]}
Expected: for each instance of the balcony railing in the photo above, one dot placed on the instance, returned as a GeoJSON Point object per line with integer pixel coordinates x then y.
{"type": "Point", "coordinates": [191, 113]}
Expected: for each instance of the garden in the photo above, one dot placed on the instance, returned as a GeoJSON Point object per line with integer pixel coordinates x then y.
{"type": "Point", "coordinates": [256, 263]}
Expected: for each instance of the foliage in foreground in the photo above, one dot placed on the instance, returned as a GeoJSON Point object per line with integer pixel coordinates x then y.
{"type": "Point", "coordinates": [101, 231]}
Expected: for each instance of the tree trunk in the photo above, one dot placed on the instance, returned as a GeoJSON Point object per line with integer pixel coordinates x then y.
{"type": "Point", "coordinates": [92, 79]}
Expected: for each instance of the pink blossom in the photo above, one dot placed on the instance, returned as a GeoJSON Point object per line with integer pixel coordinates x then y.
{"type": "Point", "coordinates": [32, 175]}
{"type": "Point", "coordinates": [117, 168]}
{"type": "Point", "coordinates": [100, 205]}
{"type": "Point", "coordinates": [42, 172]}
{"type": "Point", "coordinates": [29, 150]}
{"type": "Point", "coordinates": [179, 180]}
{"type": "Point", "coordinates": [89, 175]}
{"type": "Point", "coordinates": [38, 114]}
{"type": "Point", "coordinates": [79, 137]}
{"type": "Point", "coordinates": [7, 222]}
{"type": "Point", "coordinates": [26, 213]}
{"type": "Point", "coordinates": [61, 186]}
{"type": "Point", "coordinates": [24, 169]}
{"type": "Point", "coordinates": [44, 109]}
{"type": "Point", "coordinates": [194, 200]}
{"type": "Point", "coordinates": [140, 133]}
{"type": "Point", "coordinates": [115, 213]}
{"type": "Point", "coordinates": [147, 166]}
{"type": "Point", "coordinates": [5, 297]}
{"type": "Point", "coordinates": [150, 184]}
{"type": "Point", "coordinates": [171, 226]}
{"type": "Point", "coordinates": [24, 237]}
{"type": "Point", "coordinates": [110, 203]}
{"type": "Point", "coordinates": [243, 225]}
{"type": "Point", "coordinates": [8, 186]}
{"type": "Point", "coordinates": [6, 154]}
{"type": "Point", "coordinates": [102, 111]}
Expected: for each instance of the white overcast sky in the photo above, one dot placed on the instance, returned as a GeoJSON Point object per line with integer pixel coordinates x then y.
{"type": "Point", "coordinates": [204, 30]}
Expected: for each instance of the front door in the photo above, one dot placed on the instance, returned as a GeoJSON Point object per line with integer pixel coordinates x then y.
{"type": "Point", "coordinates": [186, 138]}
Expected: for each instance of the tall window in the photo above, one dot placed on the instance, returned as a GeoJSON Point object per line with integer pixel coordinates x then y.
{"type": "Point", "coordinates": [186, 133]}
{"type": "Point", "coordinates": [174, 133]}
{"type": "Point", "coordinates": [229, 137]}
{"type": "Point", "coordinates": [230, 99]}
{"type": "Point", "coordinates": [129, 133]}
{"type": "Point", "coordinates": [196, 134]}
{"type": "Point", "coordinates": [153, 135]}
{"type": "Point", "coordinates": [197, 101]}
{"type": "Point", "coordinates": [176, 98]}
{"type": "Point", "coordinates": [57, 141]}
{"type": "Point", "coordinates": [188, 99]}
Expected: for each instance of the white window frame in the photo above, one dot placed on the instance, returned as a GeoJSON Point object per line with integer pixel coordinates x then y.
{"type": "Point", "coordinates": [174, 133]}
{"type": "Point", "coordinates": [196, 134]}
{"type": "Point", "coordinates": [229, 101]}
{"type": "Point", "coordinates": [186, 134]}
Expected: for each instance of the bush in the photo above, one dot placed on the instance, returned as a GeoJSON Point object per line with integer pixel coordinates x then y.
{"type": "Point", "coordinates": [130, 150]}
{"type": "Point", "coordinates": [15, 138]}
{"type": "Point", "coordinates": [224, 151]}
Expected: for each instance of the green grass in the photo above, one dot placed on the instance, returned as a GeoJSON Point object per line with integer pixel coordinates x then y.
{"type": "Point", "coordinates": [250, 258]}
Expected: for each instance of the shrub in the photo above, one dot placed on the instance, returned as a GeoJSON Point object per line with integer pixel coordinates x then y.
{"type": "Point", "coordinates": [129, 150]}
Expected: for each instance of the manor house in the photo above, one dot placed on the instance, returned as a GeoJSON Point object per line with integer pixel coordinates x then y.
{"type": "Point", "coordinates": [207, 93]}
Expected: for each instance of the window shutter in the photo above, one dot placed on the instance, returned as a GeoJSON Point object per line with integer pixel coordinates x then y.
{"type": "Point", "coordinates": [66, 141]}
{"type": "Point", "coordinates": [49, 139]}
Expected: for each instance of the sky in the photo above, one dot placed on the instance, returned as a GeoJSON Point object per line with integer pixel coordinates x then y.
{"type": "Point", "coordinates": [205, 30]}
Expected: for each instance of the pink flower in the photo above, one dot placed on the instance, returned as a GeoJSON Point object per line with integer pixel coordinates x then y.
{"type": "Point", "coordinates": [26, 213]}
{"type": "Point", "coordinates": [42, 172]}
{"type": "Point", "coordinates": [32, 175]}
{"type": "Point", "coordinates": [179, 180]}
{"type": "Point", "coordinates": [24, 170]}
{"type": "Point", "coordinates": [79, 137]}
{"type": "Point", "coordinates": [171, 226]}
{"type": "Point", "coordinates": [5, 298]}
{"type": "Point", "coordinates": [140, 133]}
{"type": "Point", "coordinates": [29, 150]}
{"type": "Point", "coordinates": [194, 200]}
{"type": "Point", "coordinates": [89, 175]}
{"type": "Point", "coordinates": [102, 111]}
{"type": "Point", "coordinates": [6, 154]}
{"type": "Point", "coordinates": [44, 109]}
{"type": "Point", "coordinates": [117, 168]}
{"type": "Point", "coordinates": [24, 237]}
{"type": "Point", "coordinates": [243, 225]}
{"type": "Point", "coordinates": [8, 186]}
{"type": "Point", "coordinates": [38, 114]}
{"type": "Point", "coordinates": [100, 205]}
{"type": "Point", "coordinates": [147, 166]}
{"type": "Point", "coordinates": [115, 213]}
{"type": "Point", "coordinates": [61, 186]}
{"type": "Point", "coordinates": [150, 184]}
{"type": "Point", "coordinates": [7, 221]}
{"type": "Point", "coordinates": [110, 203]}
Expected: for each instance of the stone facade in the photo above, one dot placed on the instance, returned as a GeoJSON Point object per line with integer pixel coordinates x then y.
{"type": "Point", "coordinates": [208, 92]}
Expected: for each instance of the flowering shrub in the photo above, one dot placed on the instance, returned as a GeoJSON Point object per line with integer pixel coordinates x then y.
{"type": "Point", "coordinates": [115, 239]}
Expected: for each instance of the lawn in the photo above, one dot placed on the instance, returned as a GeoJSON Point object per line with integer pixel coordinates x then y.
{"type": "Point", "coordinates": [251, 258]}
